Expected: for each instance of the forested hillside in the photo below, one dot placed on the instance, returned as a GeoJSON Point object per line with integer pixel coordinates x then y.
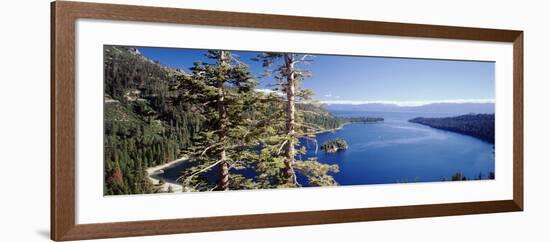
{"type": "Point", "coordinates": [145, 124]}
{"type": "Point", "coordinates": [478, 125]}
{"type": "Point", "coordinates": [154, 114]}
{"type": "Point", "coordinates": [315, 114]}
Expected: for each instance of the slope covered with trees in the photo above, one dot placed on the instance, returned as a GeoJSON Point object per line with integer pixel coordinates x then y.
{"type": "Point", "coordinates": [144, 122]}
{"type": "Point", "coordinates": [315, 115]}
{"type": "Point", "coordinates": [481, 126]}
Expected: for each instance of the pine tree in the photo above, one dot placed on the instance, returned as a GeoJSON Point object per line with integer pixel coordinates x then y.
{"type": "Point", "coordinates": [116, 176]}
{"type": "Point", "coordinates": [284, 68]}
{"type": "Point", "coordinates": [223, 89]}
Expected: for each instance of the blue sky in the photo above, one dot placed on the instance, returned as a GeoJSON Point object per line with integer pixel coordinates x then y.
{"type": "Point", "coordinates": [352, 79]}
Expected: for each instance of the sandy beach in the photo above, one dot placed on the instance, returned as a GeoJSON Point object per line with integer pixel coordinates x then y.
{"type": "Point", "coordinates": [156, 169]}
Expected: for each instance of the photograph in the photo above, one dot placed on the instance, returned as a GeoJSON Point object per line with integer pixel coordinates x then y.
{"type": "Point", "coordinates": [204, 120]}
{"type": "Point", "coordinates": [269, 121]}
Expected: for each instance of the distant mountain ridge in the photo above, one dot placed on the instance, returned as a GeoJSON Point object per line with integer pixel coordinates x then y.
{"type": "Point", "coordinates": [442, 108]}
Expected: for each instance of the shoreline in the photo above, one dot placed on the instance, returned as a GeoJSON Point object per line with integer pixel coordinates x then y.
{"type": "Point", "coordinates": [331, 130]}
{"type": "Point", "coordinates": [453, 129]}
{"type": "Point", "coordinates": [456, 132]}
{"type": "Point", "coordinates": [155, 169]}
{"type": "Point", "coordinates": [339, 128]}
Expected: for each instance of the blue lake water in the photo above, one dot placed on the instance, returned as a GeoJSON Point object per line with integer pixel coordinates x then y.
{"type": "Point", "coordinates": [392, 151]}
{"type": "Point", "coordinates": [398, 151]}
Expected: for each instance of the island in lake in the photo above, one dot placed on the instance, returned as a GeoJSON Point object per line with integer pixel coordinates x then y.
{"type": "Point", "coordinates": [194, 120]}
{"type": "Point", "coordinates": [333, 146]}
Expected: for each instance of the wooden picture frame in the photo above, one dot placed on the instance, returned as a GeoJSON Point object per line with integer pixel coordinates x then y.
{"type": "Point", "coordinates": [63, 17]}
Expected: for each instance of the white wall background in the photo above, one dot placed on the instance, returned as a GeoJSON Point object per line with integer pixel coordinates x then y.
{"type": "Point", "coordinates": [24, 120]}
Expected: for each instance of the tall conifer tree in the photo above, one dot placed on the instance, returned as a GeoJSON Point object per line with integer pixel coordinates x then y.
{"type": "Point", "coordinates": [223, 89]}
{"type": "Point", "coordinates": [284, 68]}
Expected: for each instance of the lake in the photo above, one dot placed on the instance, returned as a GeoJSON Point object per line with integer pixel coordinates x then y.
{"type": "Point", "coordinates": [399, 151]}
{"type": "Point", "coordinates": [393, 151]}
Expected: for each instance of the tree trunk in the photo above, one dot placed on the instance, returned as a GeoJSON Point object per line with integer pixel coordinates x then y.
{"type": "Point", "coordinates": [290, 118]}
{"type": "Point", "coordinates": [223, 183]}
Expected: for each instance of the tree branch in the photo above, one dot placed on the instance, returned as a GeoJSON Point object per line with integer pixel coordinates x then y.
{"type": "Point", "coordinates": [202, 170]}
{"type": "Point", "coordinates": [295, 177]}
{"type": "Point", "coordinates": [314, 141]}
{"type": "Point", "coordinates": [209, 147]}
{"type": "Point", "coordinates": [281, 147]}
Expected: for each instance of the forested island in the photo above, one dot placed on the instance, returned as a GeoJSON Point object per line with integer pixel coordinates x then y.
{"type": "Point", "coordinates": [333, 146]}
{"type": "Point", "coordinates": [481, 126]}
{"type": "Point", "coordinates": [154, 114]}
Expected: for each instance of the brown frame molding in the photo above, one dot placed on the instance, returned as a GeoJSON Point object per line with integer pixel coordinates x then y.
{"type": "Point", "coordinates": [63, 17]}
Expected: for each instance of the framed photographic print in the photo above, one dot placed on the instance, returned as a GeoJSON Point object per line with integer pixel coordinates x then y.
{"type": "Point", "coordinates": [172, 120]}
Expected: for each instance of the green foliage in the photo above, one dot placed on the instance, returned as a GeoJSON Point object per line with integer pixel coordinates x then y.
{"type": "Point", "coordinates": [303, 120]}
{"type": "Point", "coordinates": [144, 125]}
{"type": "Point", "coordinates": [154, 114]}
{"type": "Point", "coordinates": [317, 173]}
{"type": "Point", "coordinates": [315, 118]}
{"type": "Point", "coordinates": [224, 91]}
